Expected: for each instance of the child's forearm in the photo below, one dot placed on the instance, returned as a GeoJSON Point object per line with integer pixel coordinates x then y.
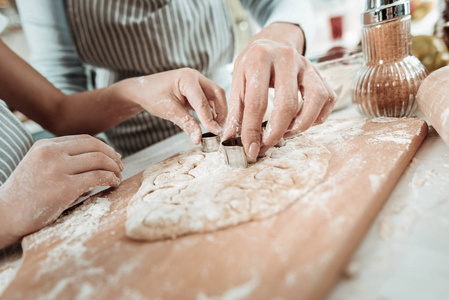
{"type": "Point", "coordinates": [91, 112]}
{"type": "Point", "coordinates": [7, 236]}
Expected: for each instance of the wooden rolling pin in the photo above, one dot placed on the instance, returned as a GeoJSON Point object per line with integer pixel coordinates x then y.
{"type": "Point", "coordinates": [433, 100]}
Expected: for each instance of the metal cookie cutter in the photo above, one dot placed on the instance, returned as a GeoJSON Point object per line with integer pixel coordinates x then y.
{"type": "Point", "coordinates": [281, 143]}
{"type": "Point", "coordinates": [234, 153]}
{"type": "Point", "coordinates": [210, 142]}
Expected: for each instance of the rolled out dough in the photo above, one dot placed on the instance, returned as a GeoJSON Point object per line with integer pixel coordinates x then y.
{"type": "Point", "coordinates": [196, 192]}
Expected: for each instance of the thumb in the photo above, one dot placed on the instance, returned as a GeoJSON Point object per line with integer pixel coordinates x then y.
{"type": "Point", "coordinates": [177, 114]}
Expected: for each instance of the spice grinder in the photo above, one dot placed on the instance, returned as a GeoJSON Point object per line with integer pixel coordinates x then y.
{"type": "Point", "coordinates": [387, 83]}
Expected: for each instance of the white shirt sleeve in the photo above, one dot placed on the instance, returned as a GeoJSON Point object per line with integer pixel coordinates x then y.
{"type": "Point", "coordinates": [298, 12]}
{"type": "Point", "coordinates": [52, 52]}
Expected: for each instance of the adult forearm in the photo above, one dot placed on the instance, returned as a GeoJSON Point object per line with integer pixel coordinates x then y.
{"type": "Point", "coordinates": [294, 12]}
{"type": "Point", "coordinates": [284, 33]}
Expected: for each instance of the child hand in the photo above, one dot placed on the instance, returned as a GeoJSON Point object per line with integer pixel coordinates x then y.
{"type": "Point", "coordinates": [53, 174]}
{"type": "Point", "coordinates": [169, 95]}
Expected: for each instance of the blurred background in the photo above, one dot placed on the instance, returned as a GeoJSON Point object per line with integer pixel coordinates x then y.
{"type": "Point", "coordinates": [334, 48]}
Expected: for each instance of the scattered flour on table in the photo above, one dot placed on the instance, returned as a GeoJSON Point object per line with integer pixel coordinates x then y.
{"type": "Point", "coordinates": [72, 231]}
{"type": "Point", "coordinates": [236, 293]}
{"type": "Point", "coordinates": [6, 276]}
{"type": "Point", "coordinates": [375, 181]}
{"type": "Point", "coordinates": [130, 294]}
{"type": "Point", "coordinates": [421, 179]}
{"type": "Point", "coordinates": [290, 279]}
{"type": "Point", "coordinates": [86, 291]}
{"type": "Point", "coordinates": [337, 132]}
{"type": "Point", "coordinates": [89, 280]}
{"type": "Point", "coordinates": [397, 221]}
{"type": "Point", "coordinates": [383, 120]}
{"type": "Point", "coordinates": [398, 136]}
{"type": "Point", "coordinates": [396, 133]}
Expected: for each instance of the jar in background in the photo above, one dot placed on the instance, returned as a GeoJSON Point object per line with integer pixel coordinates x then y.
{"type": "Point", "coordinates": [388, 82]}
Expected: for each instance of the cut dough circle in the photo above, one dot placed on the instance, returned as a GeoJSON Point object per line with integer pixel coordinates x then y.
{"type": "Point", "coordinates": [196, 192]}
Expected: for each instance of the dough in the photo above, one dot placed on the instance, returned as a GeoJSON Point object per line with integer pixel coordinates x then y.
{"type": "Point", "coordinates": [196, 192]}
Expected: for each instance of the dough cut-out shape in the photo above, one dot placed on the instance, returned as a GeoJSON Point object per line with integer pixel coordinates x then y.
{"type": "Point", "coordinates": [196, 192]}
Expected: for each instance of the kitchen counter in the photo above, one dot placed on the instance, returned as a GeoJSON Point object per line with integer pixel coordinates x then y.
{"type": "Point", "coordinates": [405, 254]}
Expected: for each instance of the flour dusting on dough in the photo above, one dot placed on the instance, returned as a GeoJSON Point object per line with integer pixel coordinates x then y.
{"type": "Point", "coordinates": [197, 192]}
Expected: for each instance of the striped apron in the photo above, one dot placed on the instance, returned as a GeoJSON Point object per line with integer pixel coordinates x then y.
{"type": "Point", "coordinates": [15, 141]}
{"type": "Point", "coordinates": [127, 38]}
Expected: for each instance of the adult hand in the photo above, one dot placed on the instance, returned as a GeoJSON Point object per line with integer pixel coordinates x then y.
{"type": "Point", "coordinates": [273, 59]}
{"type": "Point", "coordinates": [53, 174]}
{"type": "Point", "coordinates": [170, 94]}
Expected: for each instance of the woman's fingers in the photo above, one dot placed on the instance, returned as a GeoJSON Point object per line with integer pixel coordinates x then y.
{"type": "Point", "coordinates": [285, 105]}
{"type": "Point", "coordinates": [315, 95]}
{"type": "Point", "coordinates": [90, 161]}
{"type": "Point", "coordinates": [255, 104]}
{"type": "Point", "coordinates": [87, 143]}
{"type": "Point", "coordinates": [67, 138]}
{"type": "Point", "coordinates": [92, 179]}
{"type": "Point", "coordinates": [217, 99]}
{"type": "Point", "coordinates": [177, 114]}
{"type": "Point", "coordinates": [234, 119]}
{"type": "Point", "coordinates": [328, 105]}
{"type": "Point", "coordinates": [190, 88]}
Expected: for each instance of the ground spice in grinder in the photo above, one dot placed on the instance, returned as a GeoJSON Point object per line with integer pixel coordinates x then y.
{"type": "Point", "coordinates": [388, 82]}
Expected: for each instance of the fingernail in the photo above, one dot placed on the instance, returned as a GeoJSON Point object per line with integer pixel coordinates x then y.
{"type": "Point", "coordinates": [196, 137]}
{"type": "Point", "coordinates": [122, 167]}
{"type": "Point", "coordinates": [119, 155]}
{"type": "Point", "coordinates": [254, 150]}
{"type": "Point", "coordinates": [225, 134]}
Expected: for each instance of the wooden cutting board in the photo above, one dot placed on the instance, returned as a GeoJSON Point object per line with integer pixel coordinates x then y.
{"type": "Point", "coordinates": [297, 254]}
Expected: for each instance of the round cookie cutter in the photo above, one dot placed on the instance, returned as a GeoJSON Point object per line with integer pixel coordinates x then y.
{"type": "Point", "coordinates": [234, 153]}
{"type": "Point", "coordinates": [210, 142]}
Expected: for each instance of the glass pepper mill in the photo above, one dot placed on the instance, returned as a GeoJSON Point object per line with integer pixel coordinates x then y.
{"type": "Point", "coordinates": [387, 84]}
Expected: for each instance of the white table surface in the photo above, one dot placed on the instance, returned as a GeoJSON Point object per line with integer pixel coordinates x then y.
{"type": "Point", "coordinates": [405, 254]}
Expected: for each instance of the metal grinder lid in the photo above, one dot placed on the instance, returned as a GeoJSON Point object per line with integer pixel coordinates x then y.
{"type": "Point", "coordinates": [377, 11]}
